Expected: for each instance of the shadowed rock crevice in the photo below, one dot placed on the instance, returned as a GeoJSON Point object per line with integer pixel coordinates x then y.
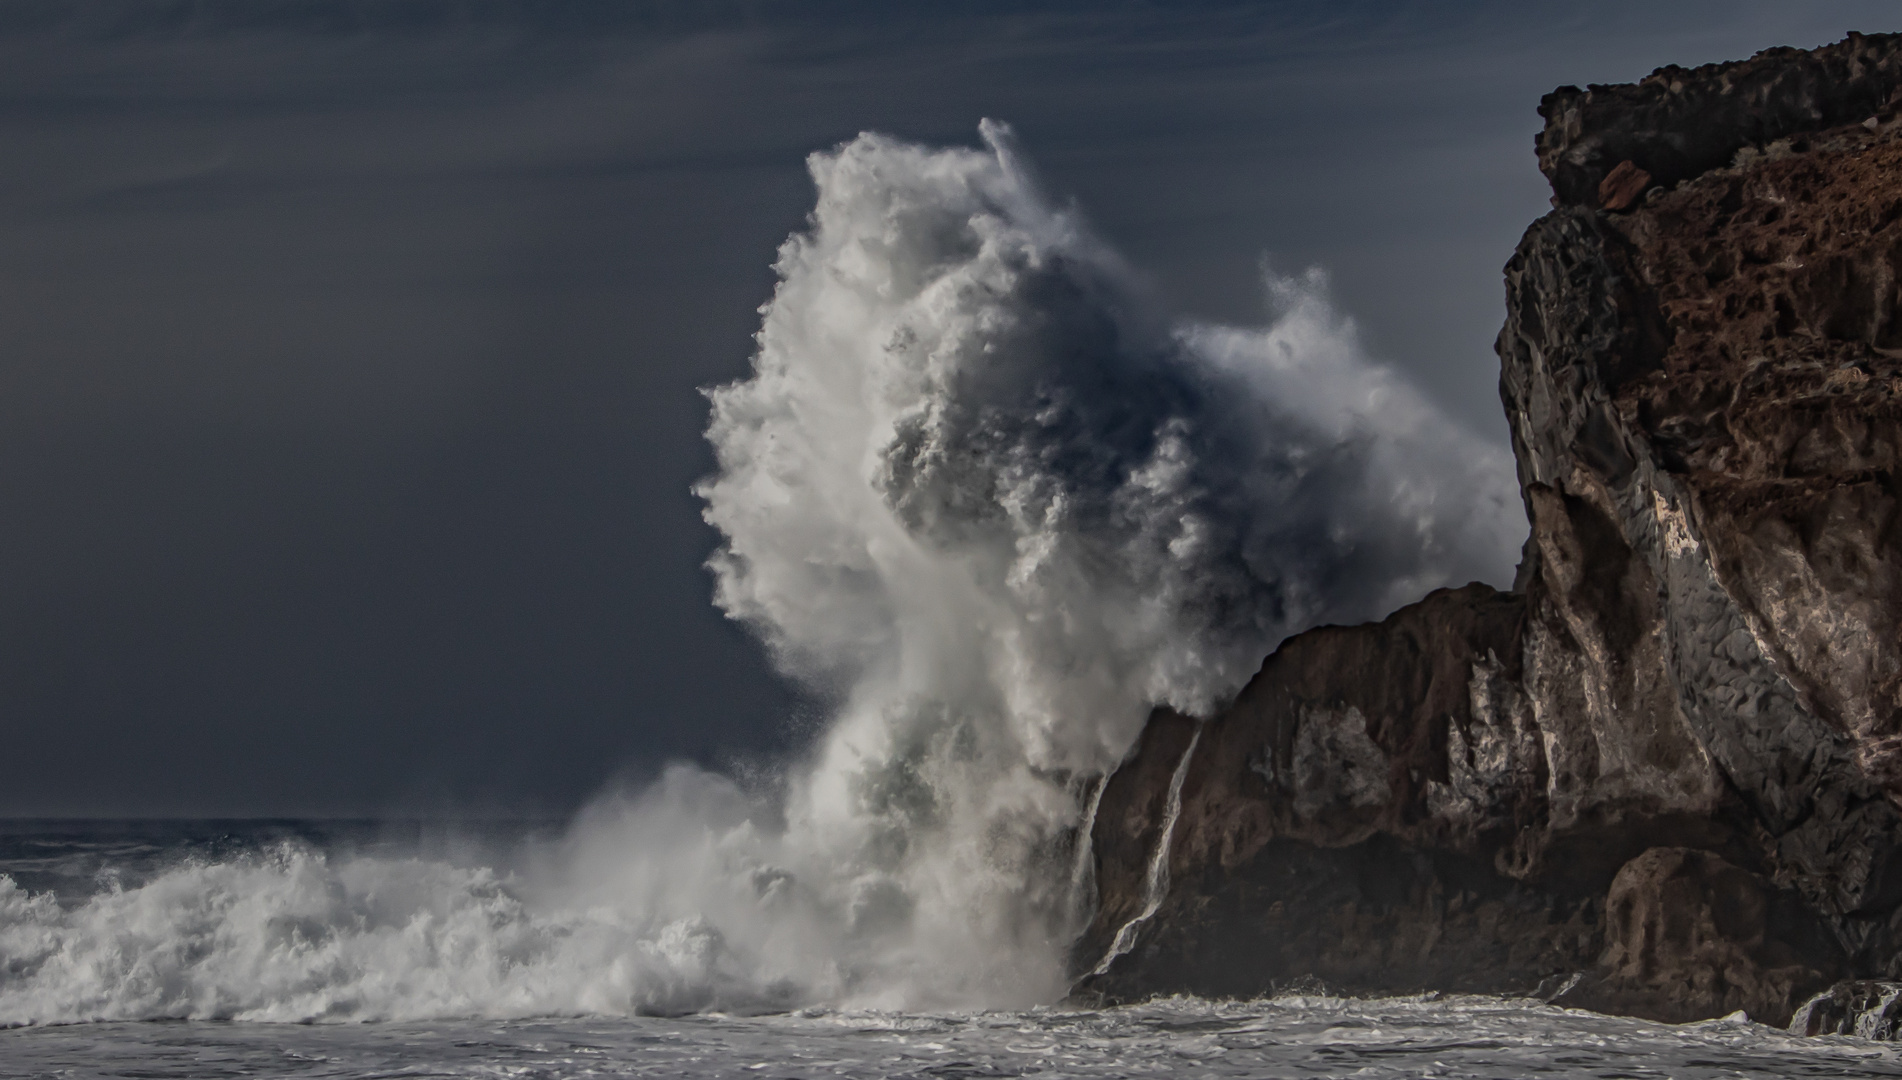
{"type": "Point", "coordinates": [1661, 776]}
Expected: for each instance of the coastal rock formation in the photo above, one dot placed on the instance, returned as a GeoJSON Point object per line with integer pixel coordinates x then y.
{"type": "Point", "coordinates": [1662, 775]}
{"type": "Point", "coordinates": [1866, 1009]}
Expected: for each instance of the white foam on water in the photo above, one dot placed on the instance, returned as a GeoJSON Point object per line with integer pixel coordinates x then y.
{"type": "Point", "coordinates": [1295, 1036]}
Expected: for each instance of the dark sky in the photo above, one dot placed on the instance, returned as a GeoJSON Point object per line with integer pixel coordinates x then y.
{"type": "Point", "coordinates": [349, 351]}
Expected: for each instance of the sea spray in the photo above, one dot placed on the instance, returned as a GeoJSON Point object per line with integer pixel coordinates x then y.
{"type": "Point", "coordinates": [982, 490]}
{"type": "Point", "coordinates": [999, 506]}
{"type": "Point", "coordinates": [291, 933]}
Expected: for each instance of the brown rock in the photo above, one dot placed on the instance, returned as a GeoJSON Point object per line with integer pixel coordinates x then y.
{"type": "Point", "coordinates": [1691, 936]}
{"type": "Point", "coordinates": [1622, 186]}
{"type": "Point", "coordinates": [1678, 123]}
{"type": "Point", "coordinates": [1667, 767]}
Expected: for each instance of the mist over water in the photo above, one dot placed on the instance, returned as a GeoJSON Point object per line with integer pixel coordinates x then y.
{"type": "Point", "coordinates": [988, 498]}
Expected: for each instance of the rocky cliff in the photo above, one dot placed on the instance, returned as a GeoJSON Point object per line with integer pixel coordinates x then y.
{"type": "Point", "coordinates": [1662, 775]}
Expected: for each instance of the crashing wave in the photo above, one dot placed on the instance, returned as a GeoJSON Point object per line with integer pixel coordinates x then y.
{"type": "Point", "coordinates": [983, 493]}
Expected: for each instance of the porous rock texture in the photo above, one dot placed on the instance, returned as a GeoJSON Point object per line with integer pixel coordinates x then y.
{"type": "Point", "coordinates": [1662, 775]}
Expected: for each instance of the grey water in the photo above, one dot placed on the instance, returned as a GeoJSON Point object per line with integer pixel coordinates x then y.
{"type": "Point", "coordinates": [65, 867]}
{"type": "Point", "coordinates": [1284, 1037]}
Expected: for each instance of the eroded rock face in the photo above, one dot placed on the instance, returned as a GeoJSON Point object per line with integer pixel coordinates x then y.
{"type": "Point", "coordinates": [1664, 771]}
{"type": "Point", "coordinates": [1689, 936]}
{"type": "Point", "coordinates": [1680, 123]}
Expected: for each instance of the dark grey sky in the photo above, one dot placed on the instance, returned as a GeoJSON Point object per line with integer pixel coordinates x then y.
{"type": "Point", "coordinates": [349, 351]}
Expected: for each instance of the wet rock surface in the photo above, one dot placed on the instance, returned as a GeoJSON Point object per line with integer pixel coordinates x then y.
{"type": "Point", "coordinates": [1661, 775]}
{"type": "Point", "coordinates": [1860, 1007]}
{"type": "Point", "coordinates": [1691, 936]}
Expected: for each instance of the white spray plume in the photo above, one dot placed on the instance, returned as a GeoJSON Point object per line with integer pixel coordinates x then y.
{"type": "Point", "coordinates": [981, 490]}
{"type": "Point", "coordinates": [978, 483]}
{"type": "Point", "coordinates": [974, 468]}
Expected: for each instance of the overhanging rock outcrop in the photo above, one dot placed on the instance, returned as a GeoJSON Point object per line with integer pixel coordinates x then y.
{"type": "Point", "coordinates": [1662, 775]}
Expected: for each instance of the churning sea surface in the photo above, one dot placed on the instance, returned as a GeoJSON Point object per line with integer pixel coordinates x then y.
{"type": "Point", "coordinates": [56, 869]}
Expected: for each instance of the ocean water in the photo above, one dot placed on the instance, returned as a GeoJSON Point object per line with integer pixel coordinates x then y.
{"type": "Point", "coordinates": [92, 929]}
{"type": "Point", "coordinates": [1288, 1037]}
{"type": "Point", "coordinates": [982, 491]}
